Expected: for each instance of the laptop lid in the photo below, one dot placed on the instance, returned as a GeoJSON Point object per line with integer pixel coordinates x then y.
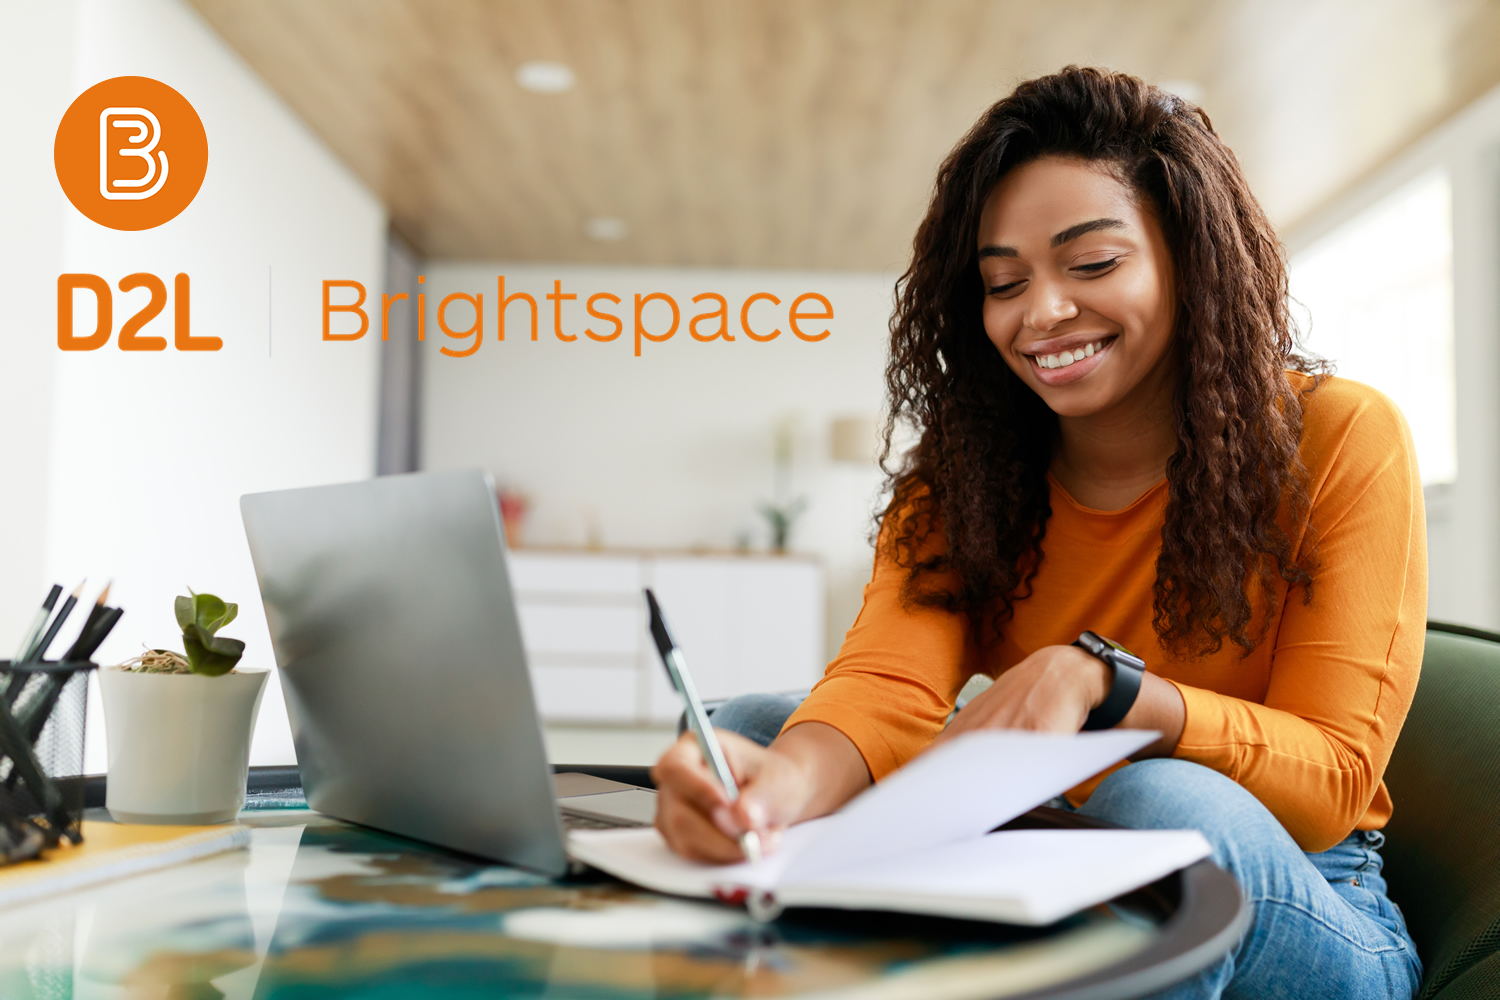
{"type": "Point", "coordinates": [400, 658]}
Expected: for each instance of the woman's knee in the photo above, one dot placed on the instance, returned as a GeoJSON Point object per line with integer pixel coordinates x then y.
{"type": "Point", "coordinates": [757, 717]}
{"type": "Point", "coordinates": [1178, 794]}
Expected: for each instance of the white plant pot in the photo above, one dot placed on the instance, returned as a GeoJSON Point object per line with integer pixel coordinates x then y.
{"type": "Point", "coordinates": [179, 744]}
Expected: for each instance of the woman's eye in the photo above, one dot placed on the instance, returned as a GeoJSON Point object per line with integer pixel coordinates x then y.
{"type": "Point", "coordinates": [1007, 287]}
{"type": "Point", "coordinates": [1098, 268]}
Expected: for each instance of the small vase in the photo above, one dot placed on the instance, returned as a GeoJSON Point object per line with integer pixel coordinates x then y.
{"type": "Point", "coordinates": [179, 744]}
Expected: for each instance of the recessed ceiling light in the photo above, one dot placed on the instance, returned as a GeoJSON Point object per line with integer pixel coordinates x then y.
{"type": "Point", "coordinates": [545, 77]}
{"type": "Point", "coordinates": [1189, 90]}
{"type": "Point", "coordinates": [606, 228]}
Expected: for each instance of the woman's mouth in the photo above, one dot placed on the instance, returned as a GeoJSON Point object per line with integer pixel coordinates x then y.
{"type": "Point", "coordinates": [1062, 367]}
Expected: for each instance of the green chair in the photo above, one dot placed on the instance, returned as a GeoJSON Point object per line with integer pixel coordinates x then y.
{"type": "Point", "coordinates": [1442, 848]}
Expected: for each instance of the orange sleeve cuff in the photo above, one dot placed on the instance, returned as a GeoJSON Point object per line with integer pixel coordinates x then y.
{"type": "Point", "coordinates": [869, 736]}
{"type": "Point", "coordinates": [1207, 734]}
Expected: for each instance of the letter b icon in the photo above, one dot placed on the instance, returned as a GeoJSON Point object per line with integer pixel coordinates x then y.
{"type": "Point", "coordinates": [117, 144]}
{"type": "Point", "coordinates": [130, 153]}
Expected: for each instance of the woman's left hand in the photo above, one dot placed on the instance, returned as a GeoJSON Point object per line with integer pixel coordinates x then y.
{"type": "Point", "coordinates": [1052, 690]}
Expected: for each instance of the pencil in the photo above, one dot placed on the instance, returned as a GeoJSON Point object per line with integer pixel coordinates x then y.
{"type": "Point", "coordinates": [37, 623]}
{"type": "Point", "coordinates": [11, 689]}
{"type": "Point", "coordinates": [40, 649]}
{"type": "Point", "coordinates": [96, 614]}
{"type": "Point", "coordinates": [93, 637]}
{"type": "Point", "coordinates": [17, 686]}
{"type": "Point", "coordinates": [53, 683]}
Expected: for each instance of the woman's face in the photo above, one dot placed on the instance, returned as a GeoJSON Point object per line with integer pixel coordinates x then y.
{"type": "Point", "coordinates": [1079, 289]}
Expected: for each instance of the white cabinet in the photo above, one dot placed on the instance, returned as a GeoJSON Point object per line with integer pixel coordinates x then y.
{"type": "Point", "coordinates": [744, 623]}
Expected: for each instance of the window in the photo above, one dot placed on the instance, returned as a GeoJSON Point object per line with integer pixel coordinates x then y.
{"type": "Point", "coordinates": [1378, 299]}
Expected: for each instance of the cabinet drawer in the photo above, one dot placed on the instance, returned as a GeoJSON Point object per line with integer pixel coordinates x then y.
{"type": "Point", "coordinates": [585, 694]}
{"type": "Point", "coordinates": [552, 573]}
{"type": "Point", "coordinates": [549, 629]}
{"type": "Point", "coordinates": [781, 643]}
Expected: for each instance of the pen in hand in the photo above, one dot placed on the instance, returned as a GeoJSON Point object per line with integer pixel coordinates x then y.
{"type": "Point", "coordinates": [708, 744]}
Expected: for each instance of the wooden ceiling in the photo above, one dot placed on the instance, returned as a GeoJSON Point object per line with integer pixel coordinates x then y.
{"type": "Point", "coordinates": [805, 133]}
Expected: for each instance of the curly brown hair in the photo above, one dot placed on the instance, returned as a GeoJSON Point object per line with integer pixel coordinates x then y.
{"type": "Point", "coordinates": [978, 472]}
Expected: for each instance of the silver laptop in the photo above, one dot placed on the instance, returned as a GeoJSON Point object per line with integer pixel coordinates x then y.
{"type": "Point", "coordinates": [395, 632]}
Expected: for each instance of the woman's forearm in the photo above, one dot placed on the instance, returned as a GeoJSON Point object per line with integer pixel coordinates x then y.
{"type": "Point", "coordinates": [832, 767]}
{"type": "Point", "coordinates": [1159, 706]}
{"type": "Point", "coordinates": [831, 770]}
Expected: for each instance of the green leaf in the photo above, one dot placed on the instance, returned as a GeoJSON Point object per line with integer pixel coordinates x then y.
{"type": "Point", "coordinates": [184, 608]}
{"type": "Point", "coordinates": [209, 654]}
{"type": "Point", "coordinates": [201, 616]}
{"type": "Point", "coordinates": [231, 611]}
{"type": "Point", "coordinates": [207, 611]}
{"type": "Point", "coordinates": [224, 645]}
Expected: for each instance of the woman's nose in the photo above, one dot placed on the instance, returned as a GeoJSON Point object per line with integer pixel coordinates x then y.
{"type": "Point", "coordinates": [1050, 305]}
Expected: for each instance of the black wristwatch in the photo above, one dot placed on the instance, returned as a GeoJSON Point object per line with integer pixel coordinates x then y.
{"type": "Point", "coordinates": [1128, 669]}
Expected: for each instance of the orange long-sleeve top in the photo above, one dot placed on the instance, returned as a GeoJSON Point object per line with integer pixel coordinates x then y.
{"type": "Point", "coordinates": [1306, 722]}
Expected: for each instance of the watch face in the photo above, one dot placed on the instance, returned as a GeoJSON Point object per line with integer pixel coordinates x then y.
{"type": "Point", "coordinates": [1115, 645]}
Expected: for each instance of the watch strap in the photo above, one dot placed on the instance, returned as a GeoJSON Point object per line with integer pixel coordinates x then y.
{"type": "Point", "coordinates": [1125, 687]}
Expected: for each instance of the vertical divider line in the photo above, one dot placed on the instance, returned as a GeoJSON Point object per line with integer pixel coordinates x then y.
{"type": "Point", "coordinates": [269, 304]}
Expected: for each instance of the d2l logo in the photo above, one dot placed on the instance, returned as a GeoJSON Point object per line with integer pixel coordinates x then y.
{"type": "Point", "coordinates": [130, 153]}
{"type": "Point", "coordinates": [130, 331]}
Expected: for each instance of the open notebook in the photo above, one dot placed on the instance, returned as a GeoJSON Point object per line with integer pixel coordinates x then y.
{"type": "Point", "coordinates": [920, 841]}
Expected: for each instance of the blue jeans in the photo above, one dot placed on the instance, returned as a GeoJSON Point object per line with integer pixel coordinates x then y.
{"type": "Point", "coordinates": [1321, 925]}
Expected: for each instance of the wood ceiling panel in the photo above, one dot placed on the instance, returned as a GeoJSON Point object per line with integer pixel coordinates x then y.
{"type": "Point", "coordinates": [805, 133]}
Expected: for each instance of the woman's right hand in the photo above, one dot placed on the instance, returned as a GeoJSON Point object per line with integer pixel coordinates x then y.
{"type": "Point", "coordinates": [811, 770]}
{"type": "Point", "coordinates": [694, 814]}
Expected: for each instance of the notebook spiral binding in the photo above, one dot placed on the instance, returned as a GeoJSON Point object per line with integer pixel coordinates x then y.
{"type": "Point", "coordinates": [43, 711]}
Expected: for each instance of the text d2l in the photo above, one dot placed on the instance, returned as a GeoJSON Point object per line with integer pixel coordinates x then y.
{"type": "Point", "coordinates": [131, 338]}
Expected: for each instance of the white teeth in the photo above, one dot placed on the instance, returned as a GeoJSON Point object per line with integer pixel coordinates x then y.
{"type": "Point", "coordinates": [1063, 359]}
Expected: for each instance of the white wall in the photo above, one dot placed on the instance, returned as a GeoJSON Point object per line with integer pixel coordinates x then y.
{"type": "Point", "coordinates": [32, 210]}
{"type": "Point", "coordinates": [148, 453]}
{"type": "Point", "coordinates": [1463, 529]}
{"type": "Point", "coordinates": [672, 449]}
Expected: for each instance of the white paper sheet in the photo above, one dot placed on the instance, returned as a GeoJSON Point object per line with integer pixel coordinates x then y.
{"type": "Point", "coordinates": [640, 855]}
{"type": "Point", "coordinates": [960, 791]}
{"type": "Point", "coordinates": [1021, 876]}
{"type": "Point", "coordinates": [954, 794]}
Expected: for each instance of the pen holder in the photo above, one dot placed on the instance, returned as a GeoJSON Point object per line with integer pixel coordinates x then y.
{"type": "Point", "coordinates": [43, 710]}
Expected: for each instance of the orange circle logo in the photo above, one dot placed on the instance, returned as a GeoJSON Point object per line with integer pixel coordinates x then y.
{"type": "Point", "coordinates": [130, 153]}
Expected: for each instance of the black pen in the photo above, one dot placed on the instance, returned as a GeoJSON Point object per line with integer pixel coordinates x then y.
{"type": "Point", "coordinates": [708, 743]}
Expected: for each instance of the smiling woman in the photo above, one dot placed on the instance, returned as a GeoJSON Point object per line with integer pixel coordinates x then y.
{"type": "Point", "coordinates": [1118, 438]}
{"type": "Point", "coordinates": [1056, 307]}
{"type": "Point", "coordinates": [1133, 234]}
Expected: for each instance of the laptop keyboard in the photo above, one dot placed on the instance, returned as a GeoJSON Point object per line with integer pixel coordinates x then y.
{"type": "Point", "coordinates": [573, 821]}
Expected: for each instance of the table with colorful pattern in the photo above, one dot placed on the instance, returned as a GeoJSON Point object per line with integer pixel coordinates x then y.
{"type": "Point", "coordinates": [317, 908]}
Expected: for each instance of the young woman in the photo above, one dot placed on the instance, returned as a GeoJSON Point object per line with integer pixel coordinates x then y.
{"type": "Point", "coordinates": [1117, 436]}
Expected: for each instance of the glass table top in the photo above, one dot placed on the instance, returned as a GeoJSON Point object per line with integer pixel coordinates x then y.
{"type": "Point", "coordinates": [316, 908]}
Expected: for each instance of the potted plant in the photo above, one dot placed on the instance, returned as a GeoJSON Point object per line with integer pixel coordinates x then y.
{"type": "Point", "coordinates": [783, 509]}
{"type": "Point", "coordinates": [179, 724]}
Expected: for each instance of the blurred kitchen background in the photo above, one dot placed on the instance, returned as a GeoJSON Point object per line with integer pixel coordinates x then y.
{"type": "Point", "coordinates": [684, 147]}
